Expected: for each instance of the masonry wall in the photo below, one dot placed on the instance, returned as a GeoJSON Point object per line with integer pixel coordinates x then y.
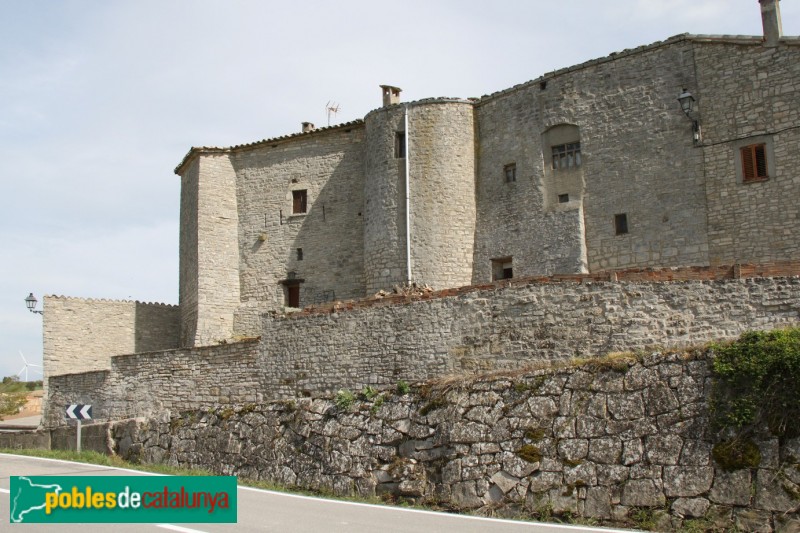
{"type": "Point", "coordinates": [148, 384]}
{"type": "Point", "coordinates": [637, 159]}
{"type": "Point", "coordinates": [83, 334]}
{"type": "Point", "coordinates": [329, 166]}
{"type": "Point", "coordinates": [495, 327]}
{"type": "Point", "coordinates": [622, 443]}
{"type": "Point", "coordinates": [209, 269]}
{"type": "Point", "coordinates": [750, 94]}
{"type": "Point", "coordinates": [441, 152]}
{"type": "Point", "coordinates": [478, 329]}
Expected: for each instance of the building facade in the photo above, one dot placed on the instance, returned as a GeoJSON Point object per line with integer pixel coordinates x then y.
{"type": "Point", "coordinates": [590, 168]}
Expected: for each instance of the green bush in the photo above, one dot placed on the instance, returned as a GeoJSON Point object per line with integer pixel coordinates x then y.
{"type": "Point", "coordinates": [758, 383]}
{"type": "Point", "coordinates": [344, 399]}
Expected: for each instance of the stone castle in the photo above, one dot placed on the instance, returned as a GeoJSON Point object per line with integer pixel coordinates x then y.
{"type": "Point", "coordinates": [644, 198]}
{"type": "Point", "coordinates": [589, 168]}
{"type": "Point", "coordinates": [681, 153]}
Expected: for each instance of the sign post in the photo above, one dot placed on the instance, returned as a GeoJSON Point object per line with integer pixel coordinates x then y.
{"type": "Point", "coordinates": [79, 412]}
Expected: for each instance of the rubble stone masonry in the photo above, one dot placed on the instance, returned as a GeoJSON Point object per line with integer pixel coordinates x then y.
{"type": "Point", "coordinates": [619, 442]}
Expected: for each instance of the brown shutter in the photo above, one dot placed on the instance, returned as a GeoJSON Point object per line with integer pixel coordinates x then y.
{"type": "Point", "coordinates": [748, 169]}
{"type": "Point", "coordinates": [754, 162]}
{"type": "Point", "coordinates": [761, 161]}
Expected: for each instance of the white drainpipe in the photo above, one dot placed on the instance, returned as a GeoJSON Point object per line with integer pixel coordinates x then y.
{"type": "Point", "coordinates": [408, 195]}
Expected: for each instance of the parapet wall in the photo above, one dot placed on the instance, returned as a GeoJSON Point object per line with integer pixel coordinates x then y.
{"type": "Point", "coordinates": [147, 384]}
{"type": "Point", "coordinates": [81, 334]}
{"type": "Point", "coordinates": [512, 324]}
{"type": "Point", "coordinates": [503, 326]}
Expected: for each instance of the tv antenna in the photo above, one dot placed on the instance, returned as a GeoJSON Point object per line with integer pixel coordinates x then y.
{"type": "Point", "coordinates": [25, 368]}
{"type": "Point", "coordinates": [331, 107]}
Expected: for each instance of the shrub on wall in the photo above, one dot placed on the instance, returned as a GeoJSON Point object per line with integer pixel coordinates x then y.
{"type": "Point", "coordinates": [758, 384]}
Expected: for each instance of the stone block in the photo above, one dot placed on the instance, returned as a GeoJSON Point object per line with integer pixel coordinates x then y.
{"type": "Point", "coordinates": [731, 488]}
{"type": "Point", "coordinates": [691, 507]}
{"type": "Point", "coordinates": [687, 481]}
{"type": "Point", "coordinates": [642, 493]}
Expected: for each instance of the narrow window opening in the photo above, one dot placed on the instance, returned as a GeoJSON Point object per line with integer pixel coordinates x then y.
{"type": "Point", "coordinates": [299, 202]}
{"type": "Point", "coordinates": [621, 224]}
{"type": "Point", "coordinates": [567, 155]}
{"type": "Point", "coordinates": [754, 162]}
{"type": "Point", "coordinates": [299, 254]}
{"type": "Point", "coordinates": [293, 296]}
{"type": "Point", "coordinates": [502, 268]}
{"type": "Point", "coordinates": [400, 144]}
{"type": "Point", "coordinates": [543, 85]}
{"type": "Point", "coordinates": [510, 172]}
{"type": "Point", "coordinates": [563, 198]}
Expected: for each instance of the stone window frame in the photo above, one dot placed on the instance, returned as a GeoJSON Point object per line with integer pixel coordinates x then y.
{"type": "Point", "coordinates": [569, 152]}
{"type": "Point", "coordinates": [510, 172]}
{"type": "Point", "coordinates": [621, 226]}
{"type": "Point", "coordinates": [299, 202]}
{"type": "Point", "coordinates": [752, 143]}
{"type": "Point", "coordinates": [502, 268]}
{"type": "Point", "coordinates": [400, 145]}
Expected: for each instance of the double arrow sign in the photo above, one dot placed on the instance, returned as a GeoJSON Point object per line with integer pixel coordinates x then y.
{"type": "Point", "coordinates": [77, 411]}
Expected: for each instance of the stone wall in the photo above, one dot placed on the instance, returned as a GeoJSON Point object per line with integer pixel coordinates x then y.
{"type": "Point", "coordinates": [441, 154]}
{"type": "Point", "coordinates": [149, 383]}
{"type": "Point", "coordinates": [329, 166]}
{"type": "Point", "coordinates": [757, 104]}
{"type": "Point", "coordinates": [507, 325]}
{"type": "Point", "coordinates": [637, 159]}
{"type": "Point", "coordinates": [496, 327]}
{"type": "Point", "coordinates": [82, 335]}
{"type": "Point", "coordinates": [621, 440]}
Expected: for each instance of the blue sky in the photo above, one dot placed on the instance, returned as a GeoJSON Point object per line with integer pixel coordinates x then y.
{"type": "Point", "coordinates": [99, 101]}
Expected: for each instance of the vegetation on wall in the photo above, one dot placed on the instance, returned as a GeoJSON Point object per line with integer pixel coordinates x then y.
{"type": "Point", "coordinates": [758, 383]}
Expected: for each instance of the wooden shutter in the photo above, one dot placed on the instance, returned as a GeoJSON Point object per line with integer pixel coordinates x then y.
{"type": "Point", "coordinates": [754, 162]}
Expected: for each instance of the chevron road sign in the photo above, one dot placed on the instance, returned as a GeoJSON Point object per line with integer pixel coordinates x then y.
{"type": "Point", "coordinates": [77, 411]}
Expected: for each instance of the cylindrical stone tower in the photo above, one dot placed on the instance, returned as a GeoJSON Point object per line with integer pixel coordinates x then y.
{"type": "Point", "coordinates": [441, 152]}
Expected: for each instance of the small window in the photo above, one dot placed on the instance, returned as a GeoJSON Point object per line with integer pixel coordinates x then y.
{"type": "Point", "coordinates": [754, 162]}
{"type": "Point", "coordinates": [502, 269]}
{"type": "Point", "coordinates": [563, 198]}
{"type": "Point", "coordinates": [299, 254]}
{"type": "Point", "coordinates": [567, 155]}
{"type": "Point", "coordinates": [621, 224]}
{"type": "Point", "coordinates": [400, 144]}
{"type": "Point", "coordinates": [293, 296]}
{"type": "Point", "coordinates": [299, 202]}
{"type": "Point", "coordinates": [510, 172]}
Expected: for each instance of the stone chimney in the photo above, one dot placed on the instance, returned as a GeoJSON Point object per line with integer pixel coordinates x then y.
{"type": "Point", "coordinates": [771, 21]}
{"type": "Point", "coordinates": [391, 95]}
{"type": "Point", "coordinates": [308, 126]}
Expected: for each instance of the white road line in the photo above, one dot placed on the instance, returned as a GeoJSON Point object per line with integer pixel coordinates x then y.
{"type": "Point", "coordinates": [180, 528]}
{"type": "Point", "coordinates": [437, 513]}
{"type": "Point", "coordinates": [87, 464]}
{"type": "Point", "coordinates": [342, 502]}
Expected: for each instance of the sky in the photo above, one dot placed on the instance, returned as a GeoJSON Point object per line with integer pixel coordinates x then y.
{"type": "Point", "coordinates": [100, 101]}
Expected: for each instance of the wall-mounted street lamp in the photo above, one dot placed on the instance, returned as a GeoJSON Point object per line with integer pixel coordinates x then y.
{"type": "Point", "coordinates": [687, 105]}
{"type": "Point", "coordinates": [31, 302]}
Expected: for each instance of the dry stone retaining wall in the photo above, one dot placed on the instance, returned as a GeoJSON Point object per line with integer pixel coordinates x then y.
{"type": "Point", "coordinates": [617, 441]}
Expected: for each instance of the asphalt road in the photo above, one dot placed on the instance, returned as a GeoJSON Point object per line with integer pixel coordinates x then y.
{"type": "Point", "coordinates": [267, 511]}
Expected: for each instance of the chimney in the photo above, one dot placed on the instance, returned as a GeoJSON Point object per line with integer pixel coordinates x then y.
{"type": "Point", "coordinates": [391, 95]}
{"type": "Point", "coordinates": [308, 126]}
{"type": "Point", "coordinates": [771, 21]}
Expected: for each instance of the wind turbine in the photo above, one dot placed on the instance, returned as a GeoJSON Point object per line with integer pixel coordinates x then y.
{"type": "Point", "coordinates": [25, 368]}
